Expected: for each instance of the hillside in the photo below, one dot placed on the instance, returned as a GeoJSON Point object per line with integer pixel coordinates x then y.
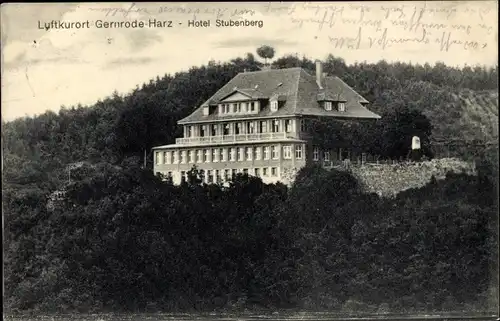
{"type": "Point", "coordinates": [123, 240]}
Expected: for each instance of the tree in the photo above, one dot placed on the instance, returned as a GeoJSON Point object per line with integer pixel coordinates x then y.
{"type": "Point", "coordinates": [396, 130]}
{"type": "Point", "coordinates": [266, 52]}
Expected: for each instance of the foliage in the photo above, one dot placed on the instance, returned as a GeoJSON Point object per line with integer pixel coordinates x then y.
{"type": "Point", "coordinates": [389, 137]}
{"type": "Point", "coordinates": [123, 239]}
{"type": "Point", "coordinates": [266, 52]}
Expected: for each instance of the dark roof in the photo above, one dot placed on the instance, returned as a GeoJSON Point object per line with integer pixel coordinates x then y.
{"type": "Point", "coordinates": [250, 92]}
{"type": "Point", "coordinates": [278, 97]}
{"type": "Point", "coordinates": [297, 88]}
{"type": "Point", "coordinates": [329, 96]}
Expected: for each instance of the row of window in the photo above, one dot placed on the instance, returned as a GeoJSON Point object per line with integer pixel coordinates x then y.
{"type": "Point", "coordinates": [341, 153]}
{"type": "Point", "coordinates": [339, 106]}
{"type": "Point", "coordinates": [248, 127]}
{"type": "Point", "coordinates": [251, 107]}
{"type": "Point", "coordinates": [219, 176]}
{"type": "Point", "coordinates": [238, 108]}
{"type": "Point", "coordinates": [227, 154]}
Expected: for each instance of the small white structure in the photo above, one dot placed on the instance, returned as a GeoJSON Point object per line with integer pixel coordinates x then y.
{"type": "Point", "coordinates": [415, 143]}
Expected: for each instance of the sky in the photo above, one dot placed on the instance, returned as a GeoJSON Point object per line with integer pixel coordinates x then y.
{"type": "Point", "coordinates": [46, 68]}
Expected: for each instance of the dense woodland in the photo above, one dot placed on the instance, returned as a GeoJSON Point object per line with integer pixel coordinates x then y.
{"type": "Point", "coordinates": [125, 240]}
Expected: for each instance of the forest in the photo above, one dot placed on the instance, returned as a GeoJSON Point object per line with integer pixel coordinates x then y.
{"type": "Point", "coordinates": [124, 240]}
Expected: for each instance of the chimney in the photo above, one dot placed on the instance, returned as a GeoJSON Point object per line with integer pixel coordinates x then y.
{"type": "Point", "coordinates": [319, 74]}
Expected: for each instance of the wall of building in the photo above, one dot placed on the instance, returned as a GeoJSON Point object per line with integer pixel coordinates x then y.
{"type": "Point", "coordinates": [389, 179]}
{"type": "Point", "coordinates": [280, 164]}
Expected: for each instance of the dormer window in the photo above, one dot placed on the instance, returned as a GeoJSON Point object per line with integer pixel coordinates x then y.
{"type": "Point", "coordinates": [274, 105]}
{"type": "Point", "coordinates": [205, 110]}
{"type": "Point", "coordinates": [341, 106]}
{"type": "Point", "coordinates": [224, 108]}
{"type": "Point", "coordinates": [328, 105]}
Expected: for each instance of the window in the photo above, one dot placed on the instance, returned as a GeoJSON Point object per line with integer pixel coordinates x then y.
{"type": "Point", "coordinates": [274, 105]}
{"type": "Point", "coordinates": [239, 107]}
{"type": "Point", "coordinates": [288, 125]}
{"type": "Point", "coordinates": [214, 155]}
{"type": "Point", "coordinates": [240, 153]}
{"type": "Point", "coordinates": [316, 153]}
{"type": "Point", "coordinates": [235, 108]}
{"type": "Point", "coordinates": [287, 152]}
{"type": "Point", "coordinates": [206, 154]}
{"type": "Point", "coordinates": [303, 125]}
{"type": "Point", "coordinates": [298, 151]}
{"type": "Point", "coordinates": [245, 171]}
{"type": "Point", "coordinates": [274, 171]}
{"type": "Point", "coordinates": [183, 157]}
{"type": "Point", "coordinates": [237, 128]}
{"type": "Point", "coordinates": [274, 152]}
{"type": "Point", "coordinates": [326, 156]}
{"type": "Point", "coordinates": [189, 131]}
{"type": "Point", "coordinates": [222, 154]}
{"type": "Point", "coordinates": [252, 106]}
{"type": "Point", "coordinates": [158, 158]}
{"type": "Point", "coordinates": [234, 173]}
{"type": "Point", "coordinates": [250, 127]}
{"type": "Point", "coordinates": [225, 129]}
{"type": "Point", "coordinates": [276, 126]}
{"type": "Point", "coordinates": [257, 153]}
{"type": "Point", "coordinates": [341, 107]}
{"type": "Point", "coordinates": [217, 176]}
{"type": "Point", "coordinates": [166, 157]}
{"type": "Point", "coordinates": [264, 171]}
{"type": "Point", "coordinates": [233, 154]}
{"type": "Point", "coordinates": [176, 157]}
{"type": "Point", "coordinates": [205, 111]}
{"type": "Point", "coordinates": [226, 175]}
{"type": "Point", "coordinates": [183, 176]}
{"type": "Point", "coordinates": [203, 130]}
{"type": "Point", "coordinates": [191, 156]}
{"type": "Point", "coordinates": [263, 126]}
{"type": "Point", "coordinates": [257, 172]}
{"type": "Point", "coordinates": [213, 130]}
{"type": "Point", "coordinates": [210, 176]}
{"type": "Point", "coordinates": [328, 105]}
{"type": "Point", "coordinates": [249, 153]}
{"type": "Point", "coordinates": [266, 152]}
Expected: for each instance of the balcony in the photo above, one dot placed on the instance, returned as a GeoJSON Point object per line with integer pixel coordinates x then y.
{"type": "Point", "coordinates": [229, 138]}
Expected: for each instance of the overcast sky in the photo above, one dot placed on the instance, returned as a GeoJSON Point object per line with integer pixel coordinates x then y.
{"type": "Point", "coordinates": [44, 69]}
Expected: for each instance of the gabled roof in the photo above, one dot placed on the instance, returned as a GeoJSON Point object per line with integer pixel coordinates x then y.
{"type": "Point", "coordinates": [249, 92]}
{"type": "Point", "coordinates": [295, 87]}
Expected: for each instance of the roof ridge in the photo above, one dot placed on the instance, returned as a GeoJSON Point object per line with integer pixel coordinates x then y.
{"type": "Point", "coordinates": [268, 70]}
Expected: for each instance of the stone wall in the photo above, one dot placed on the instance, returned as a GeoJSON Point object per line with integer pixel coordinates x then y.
{"type": "Point", "coordinates": [390, 179]}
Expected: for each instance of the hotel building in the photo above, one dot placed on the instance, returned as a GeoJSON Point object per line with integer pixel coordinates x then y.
{"type": "Point", "coordinates": [258, 124]}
